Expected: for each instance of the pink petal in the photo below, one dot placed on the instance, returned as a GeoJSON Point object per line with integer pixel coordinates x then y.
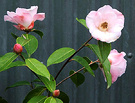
{"type": "Point", "coordinates": [39, 16]}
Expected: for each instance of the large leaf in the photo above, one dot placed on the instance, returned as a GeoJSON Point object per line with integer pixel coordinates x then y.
{"type": "Point", "coordinates": [83, 22]}
{"type": "Point", "coordinates": [37, 67]}
{"type": "Point", "coordinates": [84, 63]}
{"type": "Point", "coordinates": [50, 84]}
{"type": "Point", "coordinates": [50, 100]}
{"type": "Point", "coordinates": [37, 99]}
{"type": "Point", "coordinates": [6, 60]}
{"type": "Point", "coordinates": [64, 97]}
{"type": "Point", "coordinates": [35, 92]}
{"type": "Point", "coordinates": [78, 78]}
{"type": "Point", "coordinates": [60, 55]}
{"type": "Point", "coordinates": [38, 32]}
{"type": "Point", "coordinates": [3, 100]}
{"type": "Point", "coordinates": [58, 100]}
{"type": "Point", "coordinates": [20, 83]}
{"type": "Point", "coordinates": [15, 64]}
{"type": "Point", "coordinates": [32, 45]}
{"type": "Point", "coordinates": [105, 49]}
{"type": "Point", "coordinates": [22, 41]}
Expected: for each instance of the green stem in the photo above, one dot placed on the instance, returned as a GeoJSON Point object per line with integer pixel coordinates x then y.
{"type": "Point", "coordinates": [71, 57]}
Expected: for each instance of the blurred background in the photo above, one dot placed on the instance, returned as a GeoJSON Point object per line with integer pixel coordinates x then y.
{"type": "Point", "coordinates": [61, 29]}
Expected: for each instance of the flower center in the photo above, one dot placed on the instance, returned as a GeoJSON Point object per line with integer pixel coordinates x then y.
{"type": "Point", "coordinates": [103, 27]}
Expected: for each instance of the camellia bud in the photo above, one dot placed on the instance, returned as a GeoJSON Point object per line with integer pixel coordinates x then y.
{"type": "Point", "coordinates": [56, 93]}
{"type": "Point", "coordinates": [17, 48]}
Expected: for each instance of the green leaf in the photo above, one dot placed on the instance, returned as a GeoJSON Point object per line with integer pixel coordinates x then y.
{"type": "Point", "coordinates": [32, 45]}
{"type": "Point", "coordinates": [106, 68]}
{"type": "Point", "coordinates": [15, 36]}
{"type": "Point", "coordinates": [83, 22]}
{"type": "Point", "coordinates": [36, 80]}
{"type": "Point", "coordinates": [35, 92]}
{"type": "Point", "coordinates": [84, 63]}
{"type": "Point", "coordinates": [6, 60]}
{"type": "Point", "coordinates": [39, 33]}
{"type": "Point", "coordinates": [37, 99]}
{"type": "Point", "coordinates": [78, 78]}
{"type": "Point", "coordinates": [49, 83]}
{"type": "Point", "coordinates": [105, 49]}
{"type": "Point", "coordinates": [22, 41]}
{"type": "Point", "coordinates": [37, 67]}
{"type": "Point", "coordinates": [3, 100]}
{"type": "Point", "coordinates": [60, 55]}
{"type": "Point", "coordinates": [16, 64]}
{"type": "Point", "coordinates": [20, 83]}
{"type": "Point", "coordinates": [50, 100]}
{"type": "Point", "coordinates": [58, 100]}
{"type": "Point", "coordinates": [25, 55]}
{"type": "Point", "coordinates": [64, 97]}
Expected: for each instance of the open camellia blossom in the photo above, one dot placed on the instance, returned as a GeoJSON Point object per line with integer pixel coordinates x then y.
{"type": "Point", "coordinates": [118, 64]}
{"type": "Point", "coordinates": [105, 24]}
{"type": "Point", "coordinates": [24, 18]}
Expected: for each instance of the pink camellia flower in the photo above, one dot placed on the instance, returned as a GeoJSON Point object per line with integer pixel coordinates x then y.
{"type": "Point", "coordinates": [105, 24]}
{"type": "Point", "coordinates": [25, 18]}
{"type": "Point", "coordinates": [118, 64]}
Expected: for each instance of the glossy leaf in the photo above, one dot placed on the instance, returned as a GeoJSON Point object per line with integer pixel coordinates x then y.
{"type": "Point", "coordinates": [83, 22]}
{"type": "Point", "coordinates": [50, 84]}
{"type": "Point", "coordinates": [39, 33]}
{"type": "Point", "coordinates": [58, 100]}
{"type": "Point", "coordinates": [32, 45]}
{"type": "Point", "coordinates": [6, 60]}
{"type": "Point", "coordinates": [15, 36]}
{"type": "Point", "coordinates": [35, 92]}
{"type": "Point", "coordinates": [84, 63]}
{"type": "Point", "coordinates": [50, 100]}
{"type": "Point", "coordinates": [78, 78]}
{"type": "Point", "coordinates": [3, 100]}
{"type": "Point", "coordinates": [20, 83]}
{"type": "Point", "coordinates": [22, 41]}
{"type": "Point", "coordinates": [16, 64]}
{"type": "Point", "coordinates": [60, 55]}
{"type": "Point", "coordinates": [105, 49]}
{"type": "Point", "coordinates": [37, 67]}
{"type": "Point", "coordinates": [64, 97]}
{"type": "Point", "coordinates": [37, 99]}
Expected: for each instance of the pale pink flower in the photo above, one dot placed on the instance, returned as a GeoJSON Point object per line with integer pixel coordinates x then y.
{"type": "Point", "coordinates": [118, 64]}
{"type": "Point", "coordinates": [105, 24]}
{"type": "Point", "coordinates": [24, 18]}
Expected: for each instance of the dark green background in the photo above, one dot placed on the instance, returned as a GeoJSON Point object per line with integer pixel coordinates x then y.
{"type": "Point", "coordinates": [62, 30]}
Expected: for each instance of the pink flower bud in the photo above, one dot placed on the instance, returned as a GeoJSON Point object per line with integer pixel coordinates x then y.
{"type": "Point", "coordinates": [17, 48]}
{"type": "Point", "coordinates": [56, 93]}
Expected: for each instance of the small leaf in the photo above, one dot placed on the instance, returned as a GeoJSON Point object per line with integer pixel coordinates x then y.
{"type": "Point", "coordinates": [37, 99]}
{"type": "Point", "coordinates": [3, 100]}
{"type": "Point", "coordinates": [58, 100]}
{"type": "Point", "coordinates": [78, 78]}
{"type": "Point", "coordinates": [64, 97]}
{"type": "Point", "coordinates": [20, 83]}
{"type": "Point", "coordinates": [84, 63]}
{"type": "Point", "coordinates": [6, 60]}
{"type": "Point", "coordinates": [105, 49]}
{"type": "Point", "coordinates": [22, 41]}
{"type": "Point", "coordinates": [50, 100]}
{"type": "Point", "coordinates": [36, 80]}
{"type": "Point", "coordinates": [60, 55]}
{"type": "Point", "coordinates": [32, 45]}
{"type": "Point", "coordinates": [35, 92]}
{"type": "Point", "coordinates": [83, 22]}
{"type": "Point", "coordinates": [37, 67]}
{"type": "Point", "coordinates": [50, 84]}
{"type": "Point", "coordinates": [15, 36]}
{"type": "Point", "coordinates": [39, 33]}
{"type": "Point", "coordinates": [16, 64]}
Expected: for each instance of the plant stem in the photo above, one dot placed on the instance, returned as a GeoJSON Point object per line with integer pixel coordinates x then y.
{"type": "Point", "coordinates": [71, 57]}
{"type": "Point", "coordinates": [75, 73]}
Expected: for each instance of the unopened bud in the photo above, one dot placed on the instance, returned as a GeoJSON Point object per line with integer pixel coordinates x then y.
{"type": "Point", "coordinates": [17, 48]}
{"type": "Point", "coordinates": [56, 93]}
